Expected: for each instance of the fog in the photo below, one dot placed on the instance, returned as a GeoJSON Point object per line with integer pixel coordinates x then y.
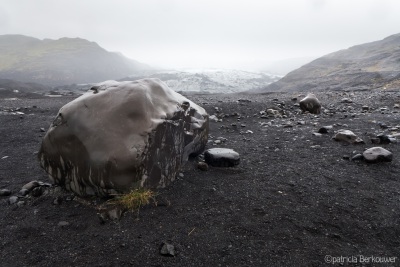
{"type": "Point", "coordinates": [240, 34]}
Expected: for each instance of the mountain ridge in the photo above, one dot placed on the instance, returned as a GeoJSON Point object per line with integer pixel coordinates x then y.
{"type": "Point", "coordinates": [370, 65]}
{"type": "Point", "coordinates": [62, 61]}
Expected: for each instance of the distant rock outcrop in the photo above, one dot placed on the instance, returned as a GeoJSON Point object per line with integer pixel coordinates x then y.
{"type": "Point", "coordinates": [123, 135]}
{"type": "Point", "coordinates": [62, 61]}
{"type": "Point", "coordinates": [366, 66]}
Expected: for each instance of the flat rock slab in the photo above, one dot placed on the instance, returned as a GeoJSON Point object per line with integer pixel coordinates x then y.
{"type": "Point", "coordinates": [377, 154]}
{"type": "Point", "coordinates": [221, 157]}
{"type": "Point", "coordinates": [123, 135]}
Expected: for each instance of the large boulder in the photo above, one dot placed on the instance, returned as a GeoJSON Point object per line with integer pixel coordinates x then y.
{"type": "Point", "coordinates": [123, 135]}
{"type": "Point", "coordinates": [311, 104]}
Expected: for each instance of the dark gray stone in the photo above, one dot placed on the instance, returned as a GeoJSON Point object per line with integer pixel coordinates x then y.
{"type": "Point", "coordinates": [221, 157]}
{"type": "Point", "coordinates": [23, 192]}
{"type": "Point", "coordinates": [377, 154]}
{"type": "Point", "coordinates": [167, 249]}
{"type": "Point", "coordinates": [346, 100]}
{"type": "Point", "coordinates": [357, 157]}
{"type": "Point", "coordinates": [311, 104]}
{"type": "Point", "coordinates": [37, 191]}
{"type": "Point", "coordinates": [325, 129]}
{"type": "Point", "coordinates": [141, 134]}
{"type": "Point", "coordinates": [29, 186]}
{"type": "Point", "coordinates": [5, 192]}
{"type": "Point", "coordinates": [63, 224]}
{"type": "Point", "coordinates": [347, 136]}
{"type": "Point", "coordinates": [384, 139]}
{"type": "Point", "coordinates": [13, 200]}
{"type": "Point", "coordinates": [57, 201]}
{"type": "Point", "coordinates": [202, 166]}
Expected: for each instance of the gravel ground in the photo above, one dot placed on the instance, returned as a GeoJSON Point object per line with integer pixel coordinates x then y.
{"type": "Point", "coordinates": [295, 199]}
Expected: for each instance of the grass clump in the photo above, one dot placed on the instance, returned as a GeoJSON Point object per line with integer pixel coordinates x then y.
{"type": "Point", "coordinates": [135, 199]}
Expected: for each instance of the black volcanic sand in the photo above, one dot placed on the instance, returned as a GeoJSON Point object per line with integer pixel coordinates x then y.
{"type": "Point", "coordinates": [293, 199]}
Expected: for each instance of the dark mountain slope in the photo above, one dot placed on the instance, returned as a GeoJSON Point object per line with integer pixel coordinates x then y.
{"type": "Point", "coordinates": [370, 65]}
{"type": "Point", "coordinates": [62, 61]}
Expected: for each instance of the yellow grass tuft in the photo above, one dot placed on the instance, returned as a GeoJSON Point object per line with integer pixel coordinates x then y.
{"type": "Point", "coordinates": [135, 199]}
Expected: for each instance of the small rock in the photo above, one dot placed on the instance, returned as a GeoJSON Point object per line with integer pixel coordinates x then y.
{"type": "Point", "coordinates": [213, 118]}
{"type": "Point", "coordinates": [383, 125]}
{"type": "Point", "coordinates": [63, 224]}
{"type": "Point", "coordinates": [249, 132]}
{"type": "Point", "coordinates": [102, 217]}
{"type": "Point", "coordinates": [5, 192]}
{"type": "Point", "coordinates": [20, 203]}
{"type": "Point", "coordinates": [317, 134]}
{"type": "Point", "coordinates": [23, 192]}
{"type": "Point", "coordinates": [347, 136]}
{"type": "Point", "coordinates": [115, 213]}
{"type": "Point", "coordinates": [377, 154]}
{"type": "Point", "coordinates": [375, 141]}
{"type": "Point", "coordinates": [365, 108]}
{"type": "Point", "coordinates": [167, 249]}
{"type": "Point", "coordinates": [325, 129]}
{"type": "Point", "coordinates": [37, 191]}
{"type": "Point", "coordinates": [202, 166]}
{"type": "Point", "coordinates": [29, 186]}
{"type": "Point", "coordinates": [221, 157]}
{"type": "Point", "coordinates": [346, 100]}
{"type": "Point", "coordinates": [42, 130]}
{"type": "Point", "coordinates": [57, 200]}
{"type": "Point", "coordinates": [70, 198]}
{"type": "Point", "coordinates": [346, 157]}
{"type": "Point", "coordinates": [12, 200]}
{"type": "Point", "coordinates": [357, 157]}
{"type": "Point", "coordinates": [383, 139]}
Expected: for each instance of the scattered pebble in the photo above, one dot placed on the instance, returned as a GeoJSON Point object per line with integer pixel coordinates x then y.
{"type": "Point", "coordinates": [63, 224]}
{"type": "Point", "coordinates": [29, 186]}
{"type": "Point", "coordinates": [23, 192]}
{"type": "Point", "coordinates": [5, 192]}
{"type": "Point", "coordinates": [12, 200]}
{"type": "Point", "coordinates": [202, 166]}
{"type": "Point", "coordinates": [167, 249]}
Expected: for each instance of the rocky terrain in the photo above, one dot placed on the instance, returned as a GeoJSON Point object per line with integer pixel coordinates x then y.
{"type": "Point", "coordinates": [375, 65]}
{"type": "Point", "coordinates": [297, 197]}
{"type": "Point", "coordinates": [60, 62]}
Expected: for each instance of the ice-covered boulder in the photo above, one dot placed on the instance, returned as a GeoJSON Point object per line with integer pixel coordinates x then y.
{"type": "Point", "coordinates": [122, 135]}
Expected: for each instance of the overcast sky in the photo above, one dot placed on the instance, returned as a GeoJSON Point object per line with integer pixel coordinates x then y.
{"type": "Point", "coordinates": [207, 33]}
